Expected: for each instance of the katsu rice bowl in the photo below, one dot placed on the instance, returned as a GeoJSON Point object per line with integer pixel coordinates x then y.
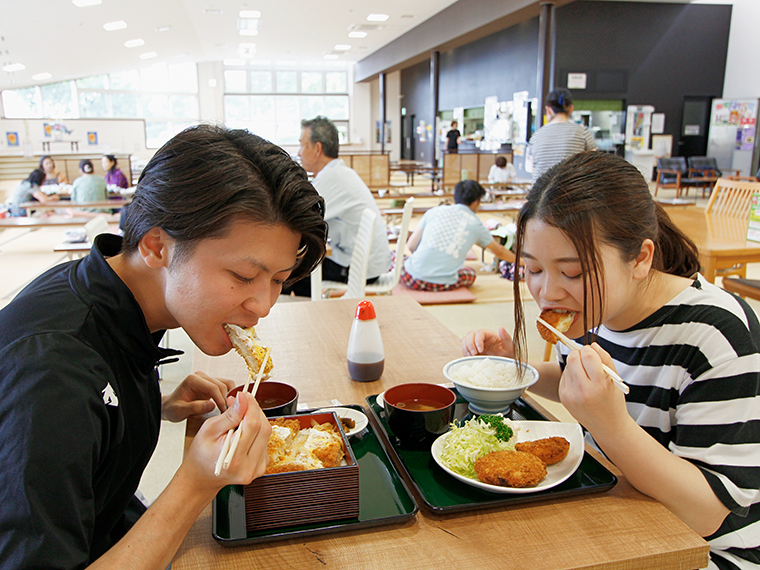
{"type": "Point", "coordinates": [489, 383]}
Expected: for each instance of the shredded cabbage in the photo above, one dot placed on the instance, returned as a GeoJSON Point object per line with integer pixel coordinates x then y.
{"type": "Point", "coordinates": [470, 441]}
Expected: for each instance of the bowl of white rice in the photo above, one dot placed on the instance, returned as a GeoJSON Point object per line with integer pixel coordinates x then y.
{"type": "Point", "coordinates": [489, 383]}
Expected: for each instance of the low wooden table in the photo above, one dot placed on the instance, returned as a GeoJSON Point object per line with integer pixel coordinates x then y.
{"type": "Point", "coordinates": [512, 206]}
{"type": "Point", "coordinates": [110, 204]}
{"type": "Point", "coordinates": [721, 240]}
{"type": "Point", "coordinates": [618, 529]}
{"type": "Point", "coordinates": [53, 221]}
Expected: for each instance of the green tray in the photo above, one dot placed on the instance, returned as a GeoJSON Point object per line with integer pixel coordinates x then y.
{"type": "Point", "coordinates": [441, 493]}
{"type": "Point", "coordinates": [384, 498]}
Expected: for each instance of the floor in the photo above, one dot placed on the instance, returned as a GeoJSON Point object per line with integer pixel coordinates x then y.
{"type": "Point", "coordinates": [24, 254]}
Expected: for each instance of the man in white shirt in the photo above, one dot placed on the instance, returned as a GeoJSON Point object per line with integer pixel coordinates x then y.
{"type": "Point", "coordinates": [346, 195]}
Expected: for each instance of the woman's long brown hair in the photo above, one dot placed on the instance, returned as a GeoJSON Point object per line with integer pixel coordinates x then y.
{"type": "Point", "coordinates": [596, 198]}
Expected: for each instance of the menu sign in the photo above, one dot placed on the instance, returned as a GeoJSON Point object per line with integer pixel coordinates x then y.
{"type": "Point", "coordinates": [753, 231]}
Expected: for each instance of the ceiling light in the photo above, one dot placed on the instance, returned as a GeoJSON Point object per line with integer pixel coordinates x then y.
{"type": "Point", "coordinates": [249, 14]}
{"type": "Point", "coordinates": [378, 17]}
{"type": "Point", "coordinates": [14, 67]}
{"type": "Point", "coordinates": [233, 62]}
{"type": "Point", "coordinates": [331, 56]}
{"type": "Point", "coordinates": [248, 23]}
{"type": "Point", "coordinates": [111, 26]}
{"type": "Point", "coordinates": [148, 55]}
{"type": "Point", "coordinates": [84, 3]}
{"type": "Point", "coordinates": [163, 28]}
{"type": "Point", "coordinates": [212, 10]}
{"type": "Point", "coordinates": [357, 34]}
{"type": "Point", "coordinates": [134, 43]}
{"type": "Point", "coordinates": [249, 32]}
{"type": "Point", "coordinates": [41, 76]}
{"type": "Point", "coordinates": [342, 47]}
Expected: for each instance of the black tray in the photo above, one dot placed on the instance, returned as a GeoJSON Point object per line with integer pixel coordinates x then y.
{"type": "Point", "coordinates": [384, 498]}
{"type": "Point", "coordinates": [442, 493]}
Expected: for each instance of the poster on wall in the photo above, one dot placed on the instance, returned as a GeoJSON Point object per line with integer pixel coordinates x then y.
{"type": "Point", "coordinates": [92, 137]}
{"type": "Point", "coordinates": [11, 138]}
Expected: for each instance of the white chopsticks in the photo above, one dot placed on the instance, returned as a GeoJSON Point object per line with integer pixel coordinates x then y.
{"type": "Point", "coordinates": [572, 345]}
{"type": "Point", "coordinates": [230, 442]}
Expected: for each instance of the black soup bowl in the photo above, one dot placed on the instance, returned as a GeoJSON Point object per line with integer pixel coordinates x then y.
{"type": "Point", "coordinates": [275, 398]}
{"type": "Point", "coordinates": [418, 413]}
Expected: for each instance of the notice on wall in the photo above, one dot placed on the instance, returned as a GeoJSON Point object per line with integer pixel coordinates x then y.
{"type": "Point", "coordinates": [658, 123]}
{"type": "Point", "coordinates": [753, 230]}
{"type": "Point", "coordinates": [576, 80]}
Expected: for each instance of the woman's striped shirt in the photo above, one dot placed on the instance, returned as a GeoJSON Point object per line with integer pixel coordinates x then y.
{"type": "Point", "coordinates": [694, 372]}
{"type": "Point", "coordinates": [554, 142]}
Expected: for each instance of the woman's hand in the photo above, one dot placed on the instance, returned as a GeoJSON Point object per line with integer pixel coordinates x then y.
{"type": "Point", "coordinates": [250, 458]}
{"type": "Point", "coordinates": [488, 342]}
{"type": "Point", "coordinates": [589, 394]}
{"type": "Point", "coordinates": [198, 394]}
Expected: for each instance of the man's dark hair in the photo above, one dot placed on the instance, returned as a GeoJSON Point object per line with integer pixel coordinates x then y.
{"type": "Point", "coordinates": [207, 177]}
{"type": "Point", "coordinates": [321, 130]}
{"type": "Point", "coordinates": [36, 177]}
{"type": "Point", "coordinates": [468, 191]}
{"type": "Point", "coordinates": [501, 161]}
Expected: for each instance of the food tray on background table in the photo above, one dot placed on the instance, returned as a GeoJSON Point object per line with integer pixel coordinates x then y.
{"type": "Point", "coordinates": [384, 498]}
{"type": "Point", "coordinates": [442, 493]}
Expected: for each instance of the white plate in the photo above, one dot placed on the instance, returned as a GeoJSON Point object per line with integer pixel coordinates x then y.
{"type": "Point", "coordinates": [530, 430]}
{"type": "Point", "coordinates": [380, 401]}
{"type": "Point", "coordinates": [360, 420]}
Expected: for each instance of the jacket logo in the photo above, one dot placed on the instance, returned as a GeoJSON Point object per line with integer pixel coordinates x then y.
{"type": "Point", "coordinates": [109, 396]}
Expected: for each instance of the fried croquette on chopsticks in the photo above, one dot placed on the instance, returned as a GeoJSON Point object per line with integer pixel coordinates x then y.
{"type": "Point", "coordinates": [510, 469]}
{"type": "Point", "coordinates": [561, 321]}
{"type": "Point", "coordinates": [550, 450]}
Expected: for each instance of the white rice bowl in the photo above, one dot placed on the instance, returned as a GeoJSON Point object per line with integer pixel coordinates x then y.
{"type": "Point", "coordinates": [489, 383]}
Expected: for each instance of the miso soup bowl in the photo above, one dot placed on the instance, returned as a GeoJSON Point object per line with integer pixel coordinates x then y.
{"type": "Point", "coordinates": [275, 398]}
{"type": "Point", "coordinates": [418, 413]}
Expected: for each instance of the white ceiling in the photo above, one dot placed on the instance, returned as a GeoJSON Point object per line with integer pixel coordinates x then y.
{"type": "Point", "coordinates": [56, 37]}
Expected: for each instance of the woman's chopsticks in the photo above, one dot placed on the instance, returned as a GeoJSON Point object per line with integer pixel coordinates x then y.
{"type": "Point", "coordinates": [572, 345]}
{"type": "Point", "coordinates": [230, 442]}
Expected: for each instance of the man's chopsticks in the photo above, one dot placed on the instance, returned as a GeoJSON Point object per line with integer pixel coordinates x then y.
{"type": "Point", "coordinates": [230, 442]}
{"type": "Point", "coordinates": [572, 345]}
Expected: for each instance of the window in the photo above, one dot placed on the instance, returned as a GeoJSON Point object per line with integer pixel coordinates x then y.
{"type": "Point", "coordinates": [272, 102]}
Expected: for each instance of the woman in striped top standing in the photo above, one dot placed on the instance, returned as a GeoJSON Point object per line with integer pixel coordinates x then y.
{"type": "Point", "coordinates": [559, 138]}
{"type": "Point", "coordinates": [688, 434]}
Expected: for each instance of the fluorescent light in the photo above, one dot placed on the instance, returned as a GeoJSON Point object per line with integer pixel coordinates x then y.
{"type": "Point", "coordinates": [342, 47]}
{"type": "Point", "coordinates": [331, 56]}
{"type": "Point", "coordinates": [111, 26]}
{"type": "Point", "coordinates": [234, 62]}
{"type": "Point", "coordinates": [134, 43]}
{"type": "Point", "coordinates": [41, 76]}
{"type": "Point", "coordinates": [85, 3]}
{"type": "Point", "coordinates": [248, 23]}
{"type": "Point", "coordinates": [148, 55]}
{"type": "Point", "coordinates": [249, 32]}
{"type": "Point", "coordinates": [378, 17]}
{"type": "Point", "coordinates": [357, 34]}
{"type": "Point", "coordinates": [14, 67]}
{"type": "Point", "coordinates": [249, 14]}
{"type": "Point", "coordinates": [163, 28]}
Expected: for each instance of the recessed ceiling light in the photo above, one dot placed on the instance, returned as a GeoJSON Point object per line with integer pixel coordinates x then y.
{"type": "Point", "coordinates": [84, 3]}
{"type": "Point", "coordinates": [134, 43]}
{"type": "Point", "coordinates": [233, 62]}
{"type": "Point", "coordinates": [378, 17]}
{"type": "Point", "coordinates": [14, 67]}
{"type": "Point", "coordinates": [331, 56]}
{"type": "Point", "coordinates": [357, 34]}
{"type": "Point", "coordinates": [111, 26]}
{"type": "Point", "coordinates": [342, 47]}
{"type": "Point", "coordinates": [41, 76]}
{"type": "Point", "coordinates": [163, 28]}
{"type": "Point", "coordinates": [249, 14]}
{"type": "Point", "coordinates": [148, 55]}
{"type": "Point", "coordinates": [249, 32]}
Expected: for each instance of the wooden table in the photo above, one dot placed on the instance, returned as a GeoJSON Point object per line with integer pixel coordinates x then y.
{"type": "Point", "coordinates": [618, 529]}
{"type": "Point", "coordinates": [53, 221]}
{"type": "Point", "coordinates": [512, 206]}
{"type": "Point", "coordinates": [721, 240]}
{"type": "Point", "coordinates": [421, 168]}
{"type": "Point", "coordinates": [111, 203]}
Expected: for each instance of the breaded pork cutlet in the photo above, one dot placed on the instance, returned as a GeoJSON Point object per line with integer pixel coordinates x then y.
{"type": "Point", "coordinates": [550, 450]}
{"type": "Point", "coordinates": [510, 469]}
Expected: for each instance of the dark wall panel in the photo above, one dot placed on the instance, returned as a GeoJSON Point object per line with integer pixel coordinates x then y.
{"type": "Point", "coordinates": [643, 53]}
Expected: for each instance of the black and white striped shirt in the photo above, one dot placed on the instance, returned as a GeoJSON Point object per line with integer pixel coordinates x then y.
{"type": "Point", "coordinates": [555, 142]}
{"type": "Point", "coordinates": [694, 372]}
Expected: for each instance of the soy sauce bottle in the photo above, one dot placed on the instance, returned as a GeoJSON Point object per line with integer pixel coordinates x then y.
{"type": "Point", "coordinates": [365, 355]}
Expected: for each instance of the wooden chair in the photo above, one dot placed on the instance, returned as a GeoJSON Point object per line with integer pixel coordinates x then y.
{"type": "Point", "coordinates": [357, 275]}
{"type": "Point", "coordinates": [388, 280]}
{"type": "Point", "coordinates": [731, 198]}
{"type": "Point", "coordinates": [673, 173]}
{"type": "Point", "coordinates": [704, 167]}
{"type": "Point", "coordinates": [743, 287]}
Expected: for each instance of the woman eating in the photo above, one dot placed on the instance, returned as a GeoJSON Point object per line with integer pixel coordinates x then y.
{"type": "Point", "coordinates": [595, 245]}
{"type": "Point", "coordinates": [114, 175]}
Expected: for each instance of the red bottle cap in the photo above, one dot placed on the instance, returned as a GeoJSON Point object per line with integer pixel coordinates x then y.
{"type": "Point", "coordinates": [365, 311]}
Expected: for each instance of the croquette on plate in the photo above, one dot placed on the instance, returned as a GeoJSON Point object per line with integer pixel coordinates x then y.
{"type": "Point", "coordinates": [510, 469]}
{"type": "Point", "coordinates": [550, 450]}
